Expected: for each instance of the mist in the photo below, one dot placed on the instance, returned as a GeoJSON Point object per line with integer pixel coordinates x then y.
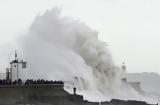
{"type": "Point", "coordinates": [61, 48]}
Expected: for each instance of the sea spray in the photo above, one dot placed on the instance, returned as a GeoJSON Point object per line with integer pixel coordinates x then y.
{"type": "Point", "coordinates": [60, 48]}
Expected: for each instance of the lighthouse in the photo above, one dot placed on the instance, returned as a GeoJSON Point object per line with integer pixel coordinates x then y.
{"type": "Point", "coordinates": [16, 69]}
{"type": "Point", "coordinates": [123, 73]}
{"type": "Point", "coordinates": [123, 67]}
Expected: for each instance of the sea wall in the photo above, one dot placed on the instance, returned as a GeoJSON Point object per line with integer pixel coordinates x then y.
{"type": "Point", "coordinates": [48, 95]}
{"type": "Point", "coordinates": [33, 94]}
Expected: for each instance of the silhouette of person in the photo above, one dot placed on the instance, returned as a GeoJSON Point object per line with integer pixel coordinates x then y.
{"type": "Point", "coordinates": [74, 89]}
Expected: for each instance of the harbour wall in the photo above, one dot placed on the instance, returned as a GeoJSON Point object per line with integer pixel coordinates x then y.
{"type": "Point", "coordinates": [51, 94]}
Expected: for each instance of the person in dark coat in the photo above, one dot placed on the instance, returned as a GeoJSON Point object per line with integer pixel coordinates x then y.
{"type": "Point", "coordinates": [74, 90]}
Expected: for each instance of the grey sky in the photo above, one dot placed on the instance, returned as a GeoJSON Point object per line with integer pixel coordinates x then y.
{"type": "Point", "coordinates": [131, 28]}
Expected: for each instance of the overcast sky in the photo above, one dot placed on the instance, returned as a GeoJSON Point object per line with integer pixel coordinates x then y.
{"type": "Point", "coordinates": [131, 28]}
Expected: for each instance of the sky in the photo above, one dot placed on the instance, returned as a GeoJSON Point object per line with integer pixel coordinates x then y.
{"type": "Point", "coordinates": [129, 27]}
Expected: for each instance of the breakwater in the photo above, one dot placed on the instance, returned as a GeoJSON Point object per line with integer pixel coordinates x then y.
{"type": "Point", "coordinates": [48, 94]}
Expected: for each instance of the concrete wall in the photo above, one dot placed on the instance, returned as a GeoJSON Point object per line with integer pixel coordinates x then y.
{"type": "Point", "coordinates": [32, 94]}
{"type": "Point", "coordinates": [48, 95]}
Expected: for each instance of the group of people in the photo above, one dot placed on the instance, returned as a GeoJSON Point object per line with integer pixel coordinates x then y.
{"type": "Point", "coordinates": [28, 82]}
{"type": "Point", "coordinates": [42, 81]}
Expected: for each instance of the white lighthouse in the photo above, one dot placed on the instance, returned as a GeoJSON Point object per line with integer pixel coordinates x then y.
{"type": "Point", "coordinates": [16, 69]}
{"type": "Point", "coordinates": [123, 68]}
{"type": "Point", "coordinates": [123, 73]}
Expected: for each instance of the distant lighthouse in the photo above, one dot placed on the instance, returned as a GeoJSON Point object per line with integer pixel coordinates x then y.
{"type": "Point", "coordinates": [123, 72]}
{"type": "Point", "coordinates": [15, 71]}
{"type": "Point", "coordinates": [123, 68]}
